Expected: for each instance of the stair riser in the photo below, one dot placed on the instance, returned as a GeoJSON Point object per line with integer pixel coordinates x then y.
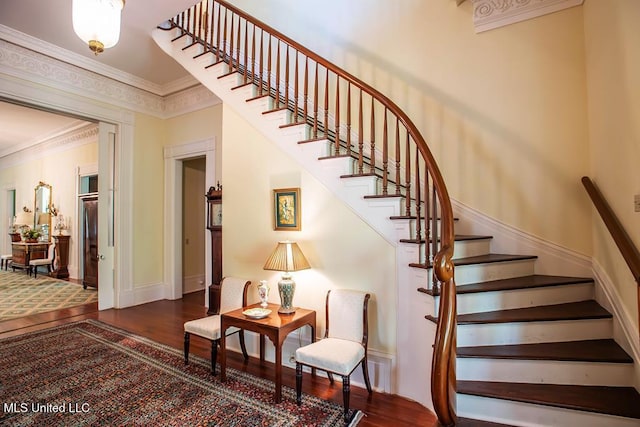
{"type": "Point", "coordinates": [470, 248]}
{"type": "Point", "coordinates": [475, 273]}
{"type": "Point", "coordinates": [533, 332]}
{"type": "Point", "coordinates": [531, 415]}
{"type": "Point", "coordinates": [544, 371]}
{"type": "Point", "coordinates": [520, 298]}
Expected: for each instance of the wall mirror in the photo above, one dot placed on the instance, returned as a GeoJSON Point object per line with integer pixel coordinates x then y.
{"type": "Point", "coordinates": [42, 210]}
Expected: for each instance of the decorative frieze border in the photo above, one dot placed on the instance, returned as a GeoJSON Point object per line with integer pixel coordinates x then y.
{"type": "Point", "coordinates": [490, 14]}
{"type": "Point", "coordinates": [25, 64]}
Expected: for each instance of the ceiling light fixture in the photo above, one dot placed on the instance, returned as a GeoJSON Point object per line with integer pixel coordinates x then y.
{"type": "Point", "coordinates": [97, 22]}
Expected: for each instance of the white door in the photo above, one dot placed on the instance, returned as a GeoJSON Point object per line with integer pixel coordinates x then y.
{"type": "Point", "coordinates": [106, 215]}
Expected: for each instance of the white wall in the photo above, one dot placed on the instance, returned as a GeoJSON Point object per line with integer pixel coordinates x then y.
{"type": "Point", "coordinates": [343, 251]}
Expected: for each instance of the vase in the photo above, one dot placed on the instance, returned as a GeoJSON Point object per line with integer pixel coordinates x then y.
{"type": "Point", "coordinates": [263, 293]}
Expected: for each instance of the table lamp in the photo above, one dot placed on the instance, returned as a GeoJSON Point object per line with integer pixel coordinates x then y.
{"type": "Point", "coordinates": [287, 257]}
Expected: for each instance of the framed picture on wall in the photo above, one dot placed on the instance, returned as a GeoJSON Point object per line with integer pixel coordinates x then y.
{"type": "Point", "coordinates": [286, 206]}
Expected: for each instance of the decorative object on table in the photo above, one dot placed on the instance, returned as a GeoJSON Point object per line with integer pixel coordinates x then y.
{"type": "Point", "coordinates": [30, 235]}
{"type": "Point", "coordinates": [287, 257]}
{"type": "Point", "coordinates": [257, 313]}
{"type": "Point", "coordinates": [60, 224]}
{"type": "Point", "coordinates": [263, 293]}
{"type": "Point", "coordinates": [286, 207]}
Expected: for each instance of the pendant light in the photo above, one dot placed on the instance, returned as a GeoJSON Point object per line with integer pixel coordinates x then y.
{"type": "Point", "coordinates": [97, 22]}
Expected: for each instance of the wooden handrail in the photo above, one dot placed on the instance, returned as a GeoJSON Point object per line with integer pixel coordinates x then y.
{"type": "Point", "coordinates": [621, 238]}
{"type": "Point", "coordinates": [359, 122]}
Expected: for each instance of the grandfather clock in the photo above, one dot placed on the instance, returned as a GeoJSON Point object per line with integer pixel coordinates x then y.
{"type": "Point", "coordinates": [214, 225]}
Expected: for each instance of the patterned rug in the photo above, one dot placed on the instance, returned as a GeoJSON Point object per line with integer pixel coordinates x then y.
{"type": "Point", "coordinates": [21, 295]}
{"type": "Point", "coordinates": [89, 373]}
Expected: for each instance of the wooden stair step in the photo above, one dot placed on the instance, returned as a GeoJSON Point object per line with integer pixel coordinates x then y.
{"type": "Point", "coordinates": [619, 401]}
{"type": "Point", "coordinates": [580, 310]}
{"type": "Point", "coordinates": [523, 282]}
{"type": "Point", "coordinates": [481, 259]}
{"type": "Point", "coordinates": [600, 351]}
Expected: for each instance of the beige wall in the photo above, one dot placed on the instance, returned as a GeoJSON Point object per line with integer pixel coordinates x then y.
{"type": "Point", "coordinates": [148, 200]}
{"type": "Point", "coordinates": [504, 111]}
{"type": "Point", "coordinates": [151, 136]}
{"type": "Point", "coordinates": [58, 169]}
{"type": "Point", "coordinates": [343, 251]}
{"type": "Point", "coordinates": [612, 38]}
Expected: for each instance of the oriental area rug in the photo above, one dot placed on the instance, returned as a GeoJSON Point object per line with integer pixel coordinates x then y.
{"type": "Point", "coordinates": [21, 295]}
{"type": "Point", "coordinates": [92, 374]}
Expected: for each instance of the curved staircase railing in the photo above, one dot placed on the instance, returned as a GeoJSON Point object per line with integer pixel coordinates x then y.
{"type": "Point", "coordinates": [359, 122]}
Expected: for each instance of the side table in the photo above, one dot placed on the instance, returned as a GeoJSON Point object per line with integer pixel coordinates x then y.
{"type": "Point", "coordinates": [276, 327]}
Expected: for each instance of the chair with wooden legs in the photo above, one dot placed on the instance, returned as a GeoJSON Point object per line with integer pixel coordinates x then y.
{"type": "Point", "coordinates": [232, 294]}
{"type": "Point", "coordinates": [344, 345]}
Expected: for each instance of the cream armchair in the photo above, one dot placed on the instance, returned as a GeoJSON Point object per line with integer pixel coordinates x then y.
{"type": "Point", "coordinates": [344, 345]}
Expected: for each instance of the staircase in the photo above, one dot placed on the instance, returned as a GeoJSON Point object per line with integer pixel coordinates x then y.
{"type": "Point", "coordinates": [532, 349]}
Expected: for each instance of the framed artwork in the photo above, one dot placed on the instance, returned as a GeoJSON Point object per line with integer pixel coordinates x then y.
{"type": "Point", "coordinates": [286, 205]}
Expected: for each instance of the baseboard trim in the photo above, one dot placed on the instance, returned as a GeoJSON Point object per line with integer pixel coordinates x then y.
{"type": "Point", "coordinates": [608, 296]}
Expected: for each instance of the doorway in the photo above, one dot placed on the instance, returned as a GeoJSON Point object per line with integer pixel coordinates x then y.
{"type": "Point", "coordinates": [193, 236]}
{"type": "Point", "coordinates": [89, 256]}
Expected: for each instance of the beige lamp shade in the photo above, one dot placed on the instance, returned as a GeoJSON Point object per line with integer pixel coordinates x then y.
{"type": "Point", "coordinates": [43, 218]}
{"type": "Point", "coordinates": [24, 218]}
{"type": "Point", "coordinates": [287, 256]}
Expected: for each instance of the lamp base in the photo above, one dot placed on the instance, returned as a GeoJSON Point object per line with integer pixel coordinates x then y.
{"type": "Point", "coordinates": [286, 288]}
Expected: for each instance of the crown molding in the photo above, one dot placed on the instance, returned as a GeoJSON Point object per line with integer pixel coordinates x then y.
{"type": "Point", "coordinates": [38, 69]}
{"type": "Point", "coordinates": [86, 134]}
{"type": "Point", "coordinates": [490, 14]}
{"type": "Point", "coordinates": [80, 61]}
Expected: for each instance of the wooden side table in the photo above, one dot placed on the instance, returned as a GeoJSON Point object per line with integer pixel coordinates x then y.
{"type": "Point", "coordinates": [276, 327]}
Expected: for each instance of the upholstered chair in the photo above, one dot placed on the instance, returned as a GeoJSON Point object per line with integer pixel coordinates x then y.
{"type": "Point", "coordinates": [344, 345]}
{"type": "Point", "coordinates": [232, 295]}
{"type": "Point", "coordinates": [43, 262]}
{"type": "Point", "coordinates": [5, 260]}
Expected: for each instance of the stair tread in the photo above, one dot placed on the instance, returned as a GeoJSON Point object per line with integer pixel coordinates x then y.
{"type": "Point", "coordinates": [482, 259]}
{"type": "Point", "coordinates": [523, 282]}
{"type": "Point", "coordinates": [589, 309]}
{"type": "Point", "coordinates": [620, 401]}
{"type": "Point", "coordinates": [603, 351]}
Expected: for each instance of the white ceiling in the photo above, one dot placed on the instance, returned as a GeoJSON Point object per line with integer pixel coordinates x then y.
{"type": "Point", "coordinates": [136, 58]}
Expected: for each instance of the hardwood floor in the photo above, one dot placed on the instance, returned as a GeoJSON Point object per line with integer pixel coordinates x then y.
{"type": "Point", "coordinates": [162, 321]}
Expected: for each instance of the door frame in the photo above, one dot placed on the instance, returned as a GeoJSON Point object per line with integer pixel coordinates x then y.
{"type": "Point", "coordinates": [49, 99]}
{"type": "Point", "coordinates": [174, 155]}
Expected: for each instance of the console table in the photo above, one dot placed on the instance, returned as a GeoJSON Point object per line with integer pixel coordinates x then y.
{"type": "Point", "coordinates": [24, 252]}
{"type": "Point", "coordinates": [276, 327]}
